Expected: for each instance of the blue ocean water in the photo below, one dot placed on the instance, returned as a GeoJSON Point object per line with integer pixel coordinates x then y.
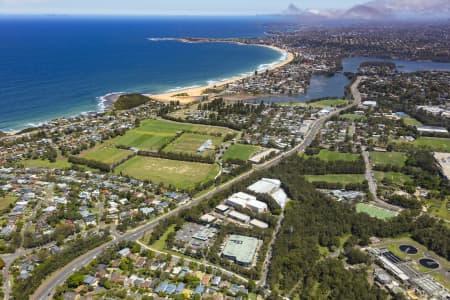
{"type": "Point", "coordinates": [59, 66]}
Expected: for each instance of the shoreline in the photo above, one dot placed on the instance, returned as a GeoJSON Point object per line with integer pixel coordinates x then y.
{"type": "Point", "coordinates": [106, 101]}
{"type": "Point", "coordinates": [196, 93]}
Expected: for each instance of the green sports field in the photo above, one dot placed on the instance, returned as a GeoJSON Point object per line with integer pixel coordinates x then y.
{"type": "Point", "coordinates": [411, 121]}
{"type": "Point", "coordinates": [395, 177]}
{"type": "Point", "coordinates": [334, 155]}
{"type": "Point", "coordinates": [106, 154]}
{"type": "Point", "coordinates": [183, 175]}
{"type": "Point", "coordinates": [434, 144]}
{"type": "Point", "coordinates": [388, 158]}
{"type": "Point", "coordinates": [328, 102]}
{"type": "Point", "coordinates": [374, 211]}
{"type": "Point", "coordinates": [189, 143]}
{"type": "Point", "coordinates": [336, 178]}
{"type": "Point", "coordinates": [60, 163]}
{"type": "Point", "coordinates": [240, 152]}
{"type": "Point", "coordinates": [153, 135]}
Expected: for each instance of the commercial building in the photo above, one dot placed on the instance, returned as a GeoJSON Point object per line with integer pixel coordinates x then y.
{"type": "Point", "coordinates": [271, 187]}
{"type": "Point", "coordinates": [257, 206]}
{"type": "Point", "coordinates": [239, 200]}
{"type": "Point", "coordinates": [443, 160]}
{"type": "Point", "coordinates": [241, 249]}
{"type": "Point", "coordinates": [239, 217]}
{"type": "Point", "coordinates": [259, 224]}
{"type": "Point", "coordinates": [223, 209]}
{"type": "Point", "coordinates": [431, 129]}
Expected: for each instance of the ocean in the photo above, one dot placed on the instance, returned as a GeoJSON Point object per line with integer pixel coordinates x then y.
{"type": "Point", "coordinates": [61, 66]}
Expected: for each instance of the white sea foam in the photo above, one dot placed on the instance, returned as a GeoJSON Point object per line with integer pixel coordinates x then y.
{"type": "Point", "coordinates": [105, 100]}
{"type": "Point", "coordinates": [181, 88]}
{"type": "Point", "coordinates": [161, 39]}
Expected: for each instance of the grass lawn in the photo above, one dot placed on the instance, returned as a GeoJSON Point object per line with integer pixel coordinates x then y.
{"type": "Point", "coordinates": [434, 144]}
{"type": "Point", "coordinates": [161, 243]}
{"type": "Point", "coordinates": [183, 175]}
{"type": "Point", "coordinates": [388, 158]}
{"type": "Point", "coordinates": [438, 208]}
{"type": "Point", "coordinates": [395, 177]}
{"type": "Point", "coordinates": [411, 121]}
{"type": "Point", "coordinates": [240, 152]}
{"type": "Point", "coordinates": [374, 211]}
{"type": "Point", "coordinates": [336, 178]}
{"type": "Point", "coordinates": [144, 140]}
{"type": "Point", "coordinates": [188, 143]}
{"type": "Point", "coordinates": [292, 103]}
{"type": "Point", "coordinates": [328, 102]}
{"type": "Point", "coordinates": [352, 117]}
{"type": "Point", "coordinates": [106, 154]}
{"type": "Point", "coordinates": [153, 135]}
{"type": "Point", "coordinates": [6, 201]}
{"type": "Point", "coordinates": [334, 155]}
{"type": "Point", "coordinates": [61, 163]}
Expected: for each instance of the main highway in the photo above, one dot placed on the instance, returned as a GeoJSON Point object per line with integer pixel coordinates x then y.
{"type": "Point", "coordinates": [48, 287]}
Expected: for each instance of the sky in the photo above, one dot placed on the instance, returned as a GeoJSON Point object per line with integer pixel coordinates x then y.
{"type": "Point", "coordinates": [165, 7]}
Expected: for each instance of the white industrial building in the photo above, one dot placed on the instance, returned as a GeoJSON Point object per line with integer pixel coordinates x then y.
{"type": "Point", "coordinates": [271, 187]}
{"type": "Point", "coordinates": [432, 129]}
{"type": "Point", "coordinates": [239, 217]}
{"type": "Point", "coordinates": [236, 201]}
{"type": "Point", "coordinates": [257, 206]}
{"type": "Point", "coordinates": [259, 224]}
{"type": "Point", "coordinates": [243, 200]}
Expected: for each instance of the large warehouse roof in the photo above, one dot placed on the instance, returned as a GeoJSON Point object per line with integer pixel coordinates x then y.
{"type": "Point", "coordinates": [241, 248]}
{"type": "Point", "coordinates": [265, 186]}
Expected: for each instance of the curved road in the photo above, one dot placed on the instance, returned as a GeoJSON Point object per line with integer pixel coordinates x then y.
{"type": "Point", "coordinates": [47, 288]}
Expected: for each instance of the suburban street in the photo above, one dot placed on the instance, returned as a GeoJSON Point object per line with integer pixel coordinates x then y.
{"type": "Point", "coordinates": [47, 288]}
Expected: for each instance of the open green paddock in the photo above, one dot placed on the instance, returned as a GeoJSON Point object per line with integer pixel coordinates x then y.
{"type": "Point", "coordinates": [143, 140]}
{"type": "Point", "coordinates": [434, 144]}
{"type": "Point", "coordinates": [240, 152]}
{"type": "Point", "coordinates": [154, 134]}
{"type": "Point", "coordinates": [328, 102]}
{"type": "Point", "coordinates": [394, 177]}
{"type": "Point", "coordinates": [374, 211]}
{"type": "Point", "coordinates": [336, 178]}
{"type": "Point", "coordinates": [106, 153]}
{"type": "Point", "coordinates": [181, 174]}
{"type": "Point", "coordinates": [158, 125]}
{"type": "Point", "coordinates": [328, 155]}
{"type": "Point", "coordinates": [60, 163]}
{"type": "Point", "coordinates": [189, 143]}
{"type": "Point", "coordinates": [397, 159]}
{"type": "Point", "coordinates": [6, 201]}
{"type": "Point", "coordinates": [410, 121]}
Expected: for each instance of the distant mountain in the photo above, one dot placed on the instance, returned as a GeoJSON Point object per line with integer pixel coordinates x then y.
{"type": "Point", "coordinates": [378, 10]}
{"type": "Point", "coordinates": [293, 10]}
{"type": "Point", "coordinates": [365, 12]}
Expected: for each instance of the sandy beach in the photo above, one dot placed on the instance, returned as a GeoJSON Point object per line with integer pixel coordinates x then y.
{"type": "Point", "coordinates": [194, 94]}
